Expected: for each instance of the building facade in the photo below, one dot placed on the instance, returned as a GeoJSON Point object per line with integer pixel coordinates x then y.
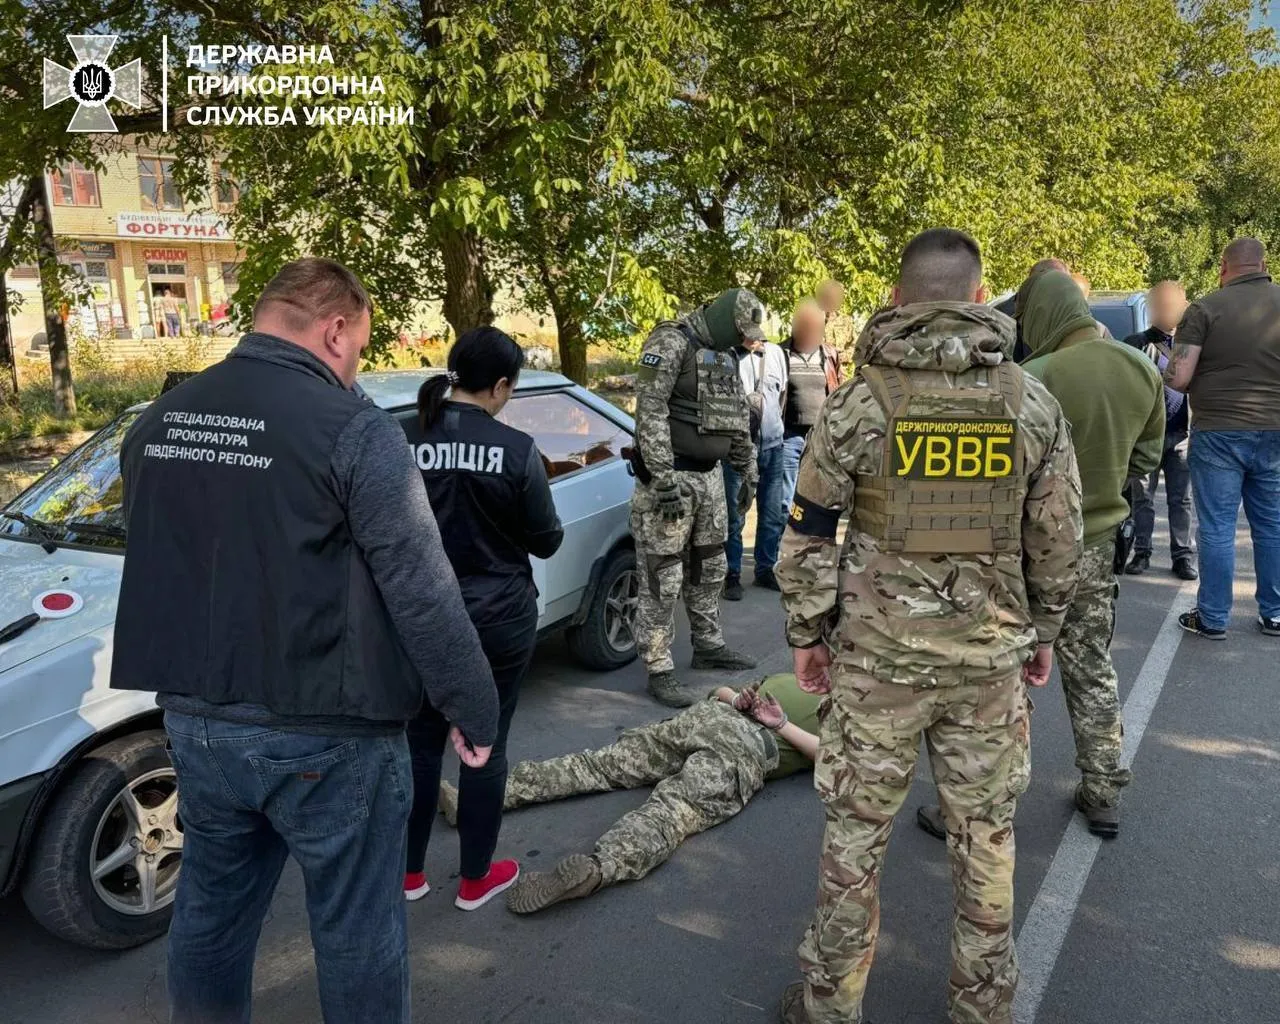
{"type": "Point", "coordinates": [152, 260]}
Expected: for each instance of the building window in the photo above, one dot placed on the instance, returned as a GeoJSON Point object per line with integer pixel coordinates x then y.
{"type": "Point", "coordinates": [74, 185]}
{"type": "Point", "coordinates": [230, 275]}
{"type": "Point", "coordinates": [226, 190]}
{"type": "Point", "coordinates": [159, 191]}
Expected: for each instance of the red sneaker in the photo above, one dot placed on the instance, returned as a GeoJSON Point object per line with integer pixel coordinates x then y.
{"type": "Point", "coordinates": [474, 893]}
{"type": "Point", "coordinates": [415, 885]}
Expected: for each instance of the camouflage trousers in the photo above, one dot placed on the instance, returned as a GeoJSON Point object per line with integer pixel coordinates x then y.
{"type": "Point", "coordinates": [1089, 679]}
{"type": "Point", "coordinates": [681, 558]}
{"type": "Point", "coordinates": [978, 739]}
{"type": "Point", "coordinates": [704, 765]}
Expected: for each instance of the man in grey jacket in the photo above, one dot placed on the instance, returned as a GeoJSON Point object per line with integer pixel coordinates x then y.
{"type": "Point", "coordinates": [286, 596]}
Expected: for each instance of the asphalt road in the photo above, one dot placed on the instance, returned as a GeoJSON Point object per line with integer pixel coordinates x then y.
{"type": "Point", "coordinates": [1176, 921]}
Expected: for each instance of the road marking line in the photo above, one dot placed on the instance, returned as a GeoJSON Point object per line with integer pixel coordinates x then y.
{"type": "Point", "coordinates": [1049, 919]}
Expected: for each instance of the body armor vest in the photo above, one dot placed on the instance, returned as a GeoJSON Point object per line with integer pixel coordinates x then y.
{"type": "Point", "coordinates": [707, 406]}
{"type": "Point", "coordinates": [952, 480]}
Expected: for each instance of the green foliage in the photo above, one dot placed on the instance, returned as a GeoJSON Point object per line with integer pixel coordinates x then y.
{"type": "Point", "coordinates": [615, 161]}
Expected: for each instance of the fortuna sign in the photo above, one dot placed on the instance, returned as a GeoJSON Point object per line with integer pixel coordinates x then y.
{"type": "Point", "coordinates": [201, 226]}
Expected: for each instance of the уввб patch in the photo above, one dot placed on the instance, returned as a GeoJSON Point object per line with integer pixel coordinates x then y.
{"type": "Point", "coordinates": [927, 448]}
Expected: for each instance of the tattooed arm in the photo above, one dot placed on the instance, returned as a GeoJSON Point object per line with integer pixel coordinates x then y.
{"type": "Point", "coordinates": [1187, 342]}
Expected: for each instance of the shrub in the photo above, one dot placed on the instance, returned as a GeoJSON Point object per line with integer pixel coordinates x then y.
{"type": "Point", "coordinates": [104, 388]}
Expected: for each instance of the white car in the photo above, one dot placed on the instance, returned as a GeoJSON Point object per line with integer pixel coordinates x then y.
{"type": "Point", "coordinates": [88, 805]}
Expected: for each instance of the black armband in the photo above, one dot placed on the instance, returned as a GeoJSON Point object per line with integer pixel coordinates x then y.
{"type": "Point", "coordinates": [812, 519]}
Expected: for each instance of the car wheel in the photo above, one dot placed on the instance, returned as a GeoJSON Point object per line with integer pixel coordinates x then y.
{"type": "Point", "coordinates": [606, 639]}
{"type": "Point", "coordinates": [103, 871]}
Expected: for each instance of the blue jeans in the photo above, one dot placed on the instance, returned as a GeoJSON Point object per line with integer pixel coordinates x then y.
{"type": "Point", "coordinates": [1228, 466]}
{"type": "Point", "coordinates": [792, 449]}
{"type": "Point", "coordinates": [251, 796]}
{"type": "Point", "coordinates": [771, 513]}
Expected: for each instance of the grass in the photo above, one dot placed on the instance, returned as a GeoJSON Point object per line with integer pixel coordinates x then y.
{"type": "Point", "coordinates": [103, 389]}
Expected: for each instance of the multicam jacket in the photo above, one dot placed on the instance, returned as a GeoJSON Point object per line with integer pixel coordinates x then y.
{"type": "Point", "coordinates": [930, 619]}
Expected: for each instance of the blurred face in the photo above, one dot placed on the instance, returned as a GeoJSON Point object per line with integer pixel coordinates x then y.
{"type": "Point", "coordinates": [831, 296]}
{"type": "Point", "coordinates": [1167, 304]}
{"type": "Point", "coordinates": [808, 328]}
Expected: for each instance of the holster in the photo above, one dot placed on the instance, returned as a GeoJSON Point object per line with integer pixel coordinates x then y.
{"type": "Point", "coordinates": [636, 461]}
{"type": "Point", "coordinates": [1125, 534]}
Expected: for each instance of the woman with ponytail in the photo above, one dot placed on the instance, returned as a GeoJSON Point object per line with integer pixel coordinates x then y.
{"type": "Point", "coordinates": [490, 494]}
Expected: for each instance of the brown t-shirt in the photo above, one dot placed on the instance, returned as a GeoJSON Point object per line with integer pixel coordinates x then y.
{"type": "Point", "coordinates": [1236, 385]}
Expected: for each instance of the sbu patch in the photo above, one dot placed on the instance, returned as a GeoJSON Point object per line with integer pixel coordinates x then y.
{"type": "Point", "coordinates": [953, 449]}
{"type": "Point", "coordinates": [650, 359]}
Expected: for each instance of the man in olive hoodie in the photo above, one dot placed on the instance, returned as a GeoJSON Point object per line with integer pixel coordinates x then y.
{"type": "Point", "coordinates": [1114, 401]}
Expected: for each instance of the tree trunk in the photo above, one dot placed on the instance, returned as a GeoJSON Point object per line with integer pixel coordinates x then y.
{"type": "Point", "coordinates": [8, 356]}
{"type": "Point", "coordinates": [569, 337]}
{"type": "Point", "coordinates": [468, 295]}
{"type": "Point", "coordinates": [13, 235]}
{"type": "Point", "coordinates": [573, 348]}
{"type": "Point", "coordinates": [64, 393]}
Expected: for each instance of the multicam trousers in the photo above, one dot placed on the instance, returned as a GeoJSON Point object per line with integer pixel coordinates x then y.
{"type": "Point", "coordinates": [707, 762]}
{"type": "Point", "coordinates": [685, 557]}
{"type": "Point", "coordinates": [1089, 679]}
{"type": "Point", "coordinates": [978, 739]}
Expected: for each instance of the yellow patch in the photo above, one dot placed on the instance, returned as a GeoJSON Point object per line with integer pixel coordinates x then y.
{"type": "Point", "coordinates": [953, 449]}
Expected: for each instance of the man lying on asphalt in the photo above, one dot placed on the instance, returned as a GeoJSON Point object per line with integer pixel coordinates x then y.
{"type": "Point", "coordinates": [707, 763]}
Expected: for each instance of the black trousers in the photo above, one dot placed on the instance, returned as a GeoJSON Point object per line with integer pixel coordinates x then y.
{"type": "Point", "coordinates": [509, 648]}
{"type": "Point", "coordinates": [1177, 486]}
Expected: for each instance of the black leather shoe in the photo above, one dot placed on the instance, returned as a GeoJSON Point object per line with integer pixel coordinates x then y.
{"type": "Point", "coordinates": [1139, 564]}
{"type": "Point", "coordinates": [1184, 570]}
{"type": "Point", "coordinates": [733, 587]}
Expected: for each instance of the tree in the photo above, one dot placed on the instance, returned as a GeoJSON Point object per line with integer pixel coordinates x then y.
{"type": "Point", "coordinates": [52, 289]}
{"type": "Point", "coordinates": [38, 141]}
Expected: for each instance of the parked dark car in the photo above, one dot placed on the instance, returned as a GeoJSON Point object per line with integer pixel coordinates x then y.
{"type": "Point", "coordinates": [1124, 313]}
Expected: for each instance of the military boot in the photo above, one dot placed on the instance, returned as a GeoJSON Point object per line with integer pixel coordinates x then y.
{"type": "Point", "coordinates": [1103, 821]}
{"type": "Point", "coordinates": [723, 657]}
{"type": "Point", "coordinates": [792, 1010]}
{"type": "Point", "coordinates": [665, 688]}
{"type": "Point", "coordinates": [573, 878]}
{"type": "Point", "coordinates": [929, 818]}
{"type": "Point", "coordinates": [448, 803]}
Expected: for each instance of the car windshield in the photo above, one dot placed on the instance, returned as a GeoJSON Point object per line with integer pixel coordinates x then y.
{"type": "Point", "coordinates": [80, 499]}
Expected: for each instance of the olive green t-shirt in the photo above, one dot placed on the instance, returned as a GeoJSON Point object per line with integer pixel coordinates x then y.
{"type": "Point", "coordinates": [802, 710]}
{"type": "Point", "coordinates": [1236, 385]}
